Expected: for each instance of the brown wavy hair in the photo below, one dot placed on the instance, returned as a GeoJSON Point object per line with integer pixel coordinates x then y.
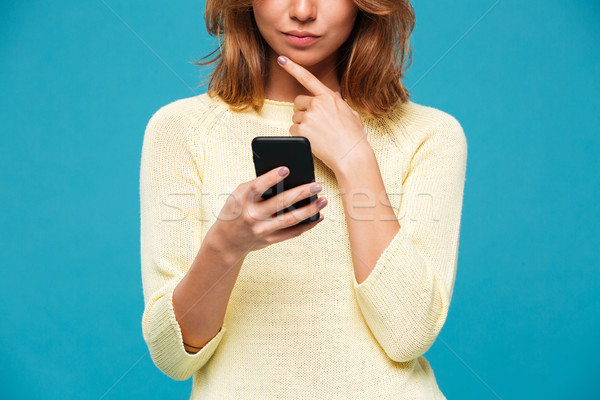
{"type": "Point", "coordinates": [370, 68]}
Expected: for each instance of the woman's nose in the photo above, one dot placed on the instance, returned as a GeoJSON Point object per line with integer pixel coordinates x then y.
{"type": "Point", "coordinates": [303, 10]}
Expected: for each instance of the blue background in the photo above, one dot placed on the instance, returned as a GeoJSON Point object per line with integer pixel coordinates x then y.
{"type": "Point", "coordinates": [80, 81]}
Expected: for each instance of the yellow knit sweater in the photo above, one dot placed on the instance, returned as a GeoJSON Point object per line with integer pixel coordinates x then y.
{"type": "Point", "coordinates": [298, 325]}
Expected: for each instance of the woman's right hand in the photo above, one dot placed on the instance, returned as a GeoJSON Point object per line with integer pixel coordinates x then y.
{"type": "Point", "coordinates": [248, 222]}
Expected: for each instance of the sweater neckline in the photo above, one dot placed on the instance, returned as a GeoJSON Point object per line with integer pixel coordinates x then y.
{"type": "Point", "coordinates": [275, 110]}
{"type": "Point", "coordinates": [272, 110]}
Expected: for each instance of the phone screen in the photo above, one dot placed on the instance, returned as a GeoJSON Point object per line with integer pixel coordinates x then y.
{"type": "Point", "coordinates": [294, 152]}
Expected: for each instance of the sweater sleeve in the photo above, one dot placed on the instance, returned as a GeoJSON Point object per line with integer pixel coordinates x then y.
{"type": "Point", "coordinates": [406, 297]}
{"type": "Point", "coordinates": [170, 225]}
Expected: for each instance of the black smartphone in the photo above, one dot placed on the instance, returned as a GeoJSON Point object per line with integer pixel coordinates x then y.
{"type": "Point", "coordinates": [293, 152]}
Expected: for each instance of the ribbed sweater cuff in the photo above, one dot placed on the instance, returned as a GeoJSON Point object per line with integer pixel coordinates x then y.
{"type": "Point", "coordinates": [401, 300]}
{"type": "Point", "coordinates": [166, 342]}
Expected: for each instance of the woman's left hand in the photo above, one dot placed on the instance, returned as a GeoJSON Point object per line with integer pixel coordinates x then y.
{"type": "Point", "coordinates": [334, 129]}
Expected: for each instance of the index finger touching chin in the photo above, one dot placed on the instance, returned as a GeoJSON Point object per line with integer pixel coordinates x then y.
{"type": "Point", "coordinates": [302, 75]}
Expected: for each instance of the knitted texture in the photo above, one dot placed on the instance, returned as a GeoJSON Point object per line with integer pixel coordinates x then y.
{"type": "Point", "coordinates": [298, 325]}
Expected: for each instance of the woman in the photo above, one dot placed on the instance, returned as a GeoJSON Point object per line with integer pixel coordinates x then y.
{"type": "Point", "coordinates": [254, 305]}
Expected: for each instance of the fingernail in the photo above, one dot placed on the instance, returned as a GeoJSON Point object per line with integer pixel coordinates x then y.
{"type": "Point", "coordinates": [281, 60]}
{"type": "Point", "coordinates": [315, 188]}
{"type": "Point", "coordinates": [321, 202]}
{"type": "Point", "coordinates": [283, 171]}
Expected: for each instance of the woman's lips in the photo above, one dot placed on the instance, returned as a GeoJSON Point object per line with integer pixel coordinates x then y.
{"type": "Point", "coordinates": [301, 41]}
